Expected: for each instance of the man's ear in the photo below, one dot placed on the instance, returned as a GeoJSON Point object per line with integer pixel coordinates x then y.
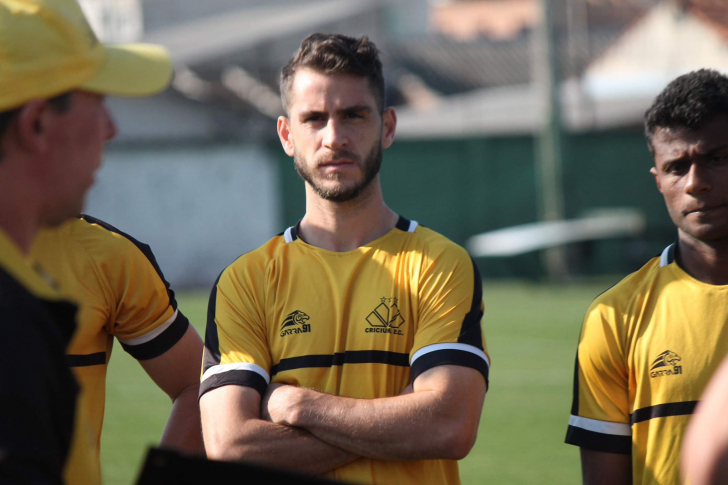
{"type": "Point", "coordinates": [389, 126]}
{"type": "Point", "coordinates": [32, 126]}
{"type": "Point", "coordinates": [656, 175]}
{"type": "Point", "coordinates": [284, 134]}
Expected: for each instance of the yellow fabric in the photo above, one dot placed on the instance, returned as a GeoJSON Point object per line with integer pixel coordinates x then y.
{"type": "Point", "coordinates": [648, 348]}
{"type": "Point", "coordinates": [119, 295]}
{"type": "Point", "coordinates": [285, 306]}
{"type": "Point", "coordinates": [47, 48]}
{"type": "Point", "coordinates": [80, 467]}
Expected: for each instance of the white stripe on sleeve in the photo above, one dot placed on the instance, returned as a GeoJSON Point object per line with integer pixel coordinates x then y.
{"type": "Point", "coordinates": [450, 346]}
{"type": "Point", "coordinates": [149, 336]}
{"type": "Point", "coordinates": [604, 427]}
{"type": "Point", "coordinates": [221, 368]}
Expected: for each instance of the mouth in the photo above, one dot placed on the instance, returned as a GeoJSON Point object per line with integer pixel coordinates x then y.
{"type": "Point", "coordinates": [704, 209]}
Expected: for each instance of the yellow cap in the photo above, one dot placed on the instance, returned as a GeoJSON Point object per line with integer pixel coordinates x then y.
{"type": "Point", "coordinates": [48, 48]}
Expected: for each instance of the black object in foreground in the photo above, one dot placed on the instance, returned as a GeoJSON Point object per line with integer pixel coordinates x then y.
{"type": "Point", "coordinates": [163, 467]}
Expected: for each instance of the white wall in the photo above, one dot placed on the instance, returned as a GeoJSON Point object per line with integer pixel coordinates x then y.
{"type": "Point", "coordinates": [198, 207]}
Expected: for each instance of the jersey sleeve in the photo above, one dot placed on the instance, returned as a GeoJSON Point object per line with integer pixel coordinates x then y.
{"type": "Point", "coordinates": [236, 350]}
{"type": "Point", "coordinates": [600, 417]}
{"type": "Point", "coordinates": [145, 318]}
{"type": "Point", "coordinates": [449, 315]}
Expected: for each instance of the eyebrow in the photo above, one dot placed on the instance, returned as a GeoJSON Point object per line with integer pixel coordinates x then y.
{"type": "Point", "coordinates": [357, 108]}
{"type": "Point", "coordinates": [683, 158]}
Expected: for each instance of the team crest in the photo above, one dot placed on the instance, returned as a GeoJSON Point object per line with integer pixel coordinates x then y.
{"type": "Point", "coordinates": [295, 323]}
{"type": "Point", "coordinates": [671, 363]}
{"type": "Point", "coordinates": [385, 318]}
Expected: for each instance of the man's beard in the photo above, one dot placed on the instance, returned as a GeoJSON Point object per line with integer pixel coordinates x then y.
{"type": "Point", "coordinates": [341, 192]}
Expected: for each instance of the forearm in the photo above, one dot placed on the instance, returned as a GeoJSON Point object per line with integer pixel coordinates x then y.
{"type": "Point", "coordinates": [183, 431]}
{"type": "Point", "coordinates": [268, 444]}
{"type": "Point", "coordinates": [398, 428]}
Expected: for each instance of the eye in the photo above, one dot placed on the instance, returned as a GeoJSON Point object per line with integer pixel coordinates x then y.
{"type": "Point", "coordinates": [677, 168]}
{"type": "Point", "coordinates": [353, 116]}
{"type": "Point", "coordinates": [719, 159]}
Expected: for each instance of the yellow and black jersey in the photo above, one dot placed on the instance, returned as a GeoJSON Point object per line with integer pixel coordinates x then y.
{"type": "Point", "coordinates": [41, 439]}
{"type": "Point", "coordinates": [121, 292]}
{"type": "Point", "coordinates": [361, 324]}
{"type": "Point", "coordinates": [647, 349]}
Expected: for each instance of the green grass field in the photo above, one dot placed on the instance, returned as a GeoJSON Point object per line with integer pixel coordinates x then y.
{"type": "Point", "coordinates": [531, 330]}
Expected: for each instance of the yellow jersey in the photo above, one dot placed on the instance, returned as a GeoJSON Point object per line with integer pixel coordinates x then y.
{"type": "Point", "coordinates": [361, 324]}
{"type": "Point", "coordinates": [121, 292]}
{"type": "Point", "coordinates": [647, 349]}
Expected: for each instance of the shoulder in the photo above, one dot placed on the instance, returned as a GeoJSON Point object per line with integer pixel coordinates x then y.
{"type": "Point", "coordinates": [435, 248]}
{"type": "Point", "coordinates": [256, 262]}
{"type": "Point", "coordinates": [632, 286]}
{"type": "Point", "coordinates": [85, 233]}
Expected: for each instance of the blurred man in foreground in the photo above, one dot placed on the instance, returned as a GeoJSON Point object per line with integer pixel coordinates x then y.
{"type": "Point", "coordinates": [650, 344]}
{"type": "Point", "coordinates": [350, 345]}
{"type": "Point", "coordinates": [53, 127]}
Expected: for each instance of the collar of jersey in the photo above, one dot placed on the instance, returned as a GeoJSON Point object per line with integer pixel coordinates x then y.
{"type": "Point", "coordinates": [21, 269]}
{"type": "Point", "coordinates": [402, 224]}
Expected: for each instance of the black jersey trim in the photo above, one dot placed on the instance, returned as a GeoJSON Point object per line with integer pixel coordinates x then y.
{"type": "Point", "coordinates": [575, 399]}
{"type": "Point", "coordinates": [471, 332]}
{"type": "Point", "coordinates": [86, 360]}
{"type": "Point", "coordinates": [663, 411]}
{"type": "Point", "coordinates": [162, 342]}
{"type": "Point", "coordinates": [403, 224]}
{"type": "Point", "coordinates": [243, 378]}
{"type": "Point", "coordinates": [592, 440]}
{"type": "Point", "coordinates": [144, 248]}
{"type": "Point", "coordinates": [450, 357]}
{"type": "Point", "coordinates": [341, 358]}
{"type": "Point", "coordinates": [212, 342]}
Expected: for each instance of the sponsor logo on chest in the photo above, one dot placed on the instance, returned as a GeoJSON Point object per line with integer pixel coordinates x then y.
{"type": "Point", "coordinates": [668, 363]}
{"type": "Point", "coordinates": [295, 323]}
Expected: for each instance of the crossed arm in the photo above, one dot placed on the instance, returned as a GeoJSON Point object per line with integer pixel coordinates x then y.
{"type": "Point", "coordinates": [309, 431]}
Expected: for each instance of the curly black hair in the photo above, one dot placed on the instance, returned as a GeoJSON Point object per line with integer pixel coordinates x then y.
{"type": "Point", "coordinates": [336, 54]}
{"type": "Point", "coordinates": [687, 102]}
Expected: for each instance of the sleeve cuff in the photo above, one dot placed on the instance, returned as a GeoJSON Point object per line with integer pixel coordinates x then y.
{"type": "Point", "coordinates": [160, 343]}
{"type": "Point", "coordinates": [450, 354]}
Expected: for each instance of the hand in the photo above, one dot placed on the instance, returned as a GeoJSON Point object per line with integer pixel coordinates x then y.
{"type": "Point", "coordinates": [276, 403]}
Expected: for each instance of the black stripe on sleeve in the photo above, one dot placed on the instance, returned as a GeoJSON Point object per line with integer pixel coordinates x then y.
{"type": "Point", "coordinates": [162, 342]}
{"type": "Point", "coordinates": [212, 342]}
{"type": "Point", "coordinates": [592, 440]}
{"type": "Point", "coordinates": [86, 360]}
{"type": "Point", "coordinates": [349, 357]}
{"type": "Point", "coordinates": [245, 378]}
{"type": "Point", "coordinates": [663, 411]}
{"type": "Point", "coordinates": [450, 357]}
{"type": "Point", "coordinates": [144, 248]}
{"type": "Point", "coordinates": [470, 331]}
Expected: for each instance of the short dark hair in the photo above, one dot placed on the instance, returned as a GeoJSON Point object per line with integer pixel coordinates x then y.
{"type": "Point", "coordinates": [687, 102]}
{"type": "Point", "coordinates": [60, 104]}
{"type": "Point", "coordinates": [336, 54]}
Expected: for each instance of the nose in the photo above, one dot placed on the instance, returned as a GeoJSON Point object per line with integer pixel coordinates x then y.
{"type": "Point", "coordinates": [697, 179]}
{"type": "Point", "coordinates": [110, 129]}
{"type": "Point", "coordinates": [334, 136]}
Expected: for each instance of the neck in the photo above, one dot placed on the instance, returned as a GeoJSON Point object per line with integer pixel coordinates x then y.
{"type": "Point", "coordinates": [706, 261]}
{"type": "Point", "coordinates": [19, 204]}
{"type": "Point", "coordinates": [345, 226]}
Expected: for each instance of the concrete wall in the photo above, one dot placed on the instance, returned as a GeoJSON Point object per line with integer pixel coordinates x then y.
{"type": "Point", "coordinates": [199, 207]}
